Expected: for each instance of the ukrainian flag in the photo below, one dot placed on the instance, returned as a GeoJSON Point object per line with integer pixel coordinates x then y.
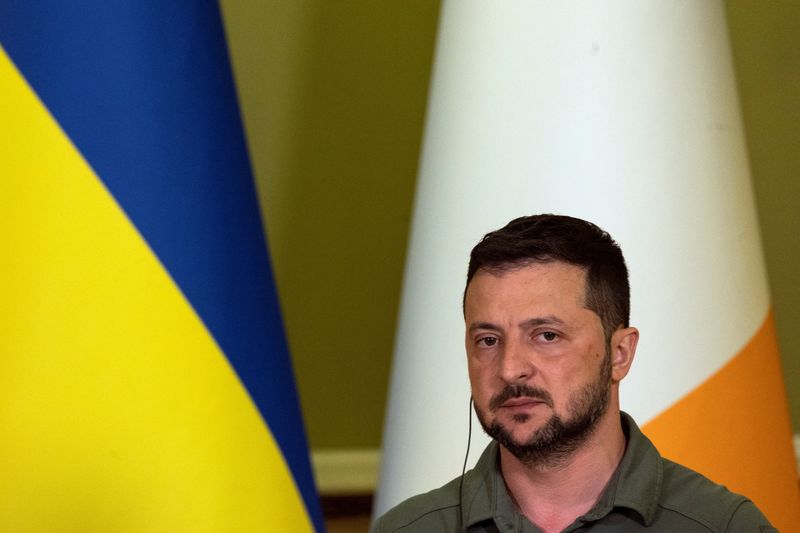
{"type": "Point", "coordinates": [145, 383]}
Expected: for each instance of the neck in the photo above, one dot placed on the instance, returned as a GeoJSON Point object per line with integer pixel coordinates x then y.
{"type": "Point", "coordinates": [553, 494]}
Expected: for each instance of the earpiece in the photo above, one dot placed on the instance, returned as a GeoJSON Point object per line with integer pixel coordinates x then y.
{"type": "Point", "coordinates": [464, 468]}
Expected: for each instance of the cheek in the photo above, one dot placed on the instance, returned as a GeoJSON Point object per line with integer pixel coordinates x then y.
{"type": "Point", "coordinates": [474, 382]}
{"type": "Point", "coordinates": [479, 381]}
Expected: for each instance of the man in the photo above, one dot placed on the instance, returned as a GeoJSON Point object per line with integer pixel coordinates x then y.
{"type": "Point", "coordinates": [546, 309]}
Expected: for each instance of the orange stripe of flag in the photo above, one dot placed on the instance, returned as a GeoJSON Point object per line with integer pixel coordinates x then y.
{"type": "Point", "coordinates": [741, 413]}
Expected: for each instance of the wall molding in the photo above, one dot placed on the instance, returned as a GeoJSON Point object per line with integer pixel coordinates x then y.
{"type": "Point", "coordinates": [797, 451]}
{"type": "Point", "coordinates": [346, 470]}
{"type": "Point", "coordinates": [355, 470]}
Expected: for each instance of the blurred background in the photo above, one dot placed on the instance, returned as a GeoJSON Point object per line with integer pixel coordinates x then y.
{"type": "Point", "coordinates": [333, 97]}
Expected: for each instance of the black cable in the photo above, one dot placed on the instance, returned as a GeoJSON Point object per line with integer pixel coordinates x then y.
{"type": "Point", "coordinates": [464, 470]}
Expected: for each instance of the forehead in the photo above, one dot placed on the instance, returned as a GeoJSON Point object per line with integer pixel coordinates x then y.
{"type": "Point", "coordinates": [551, 284]}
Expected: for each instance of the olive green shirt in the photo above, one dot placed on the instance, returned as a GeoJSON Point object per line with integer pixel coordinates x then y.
{"type": "Point", "coordinates": [646, 492]}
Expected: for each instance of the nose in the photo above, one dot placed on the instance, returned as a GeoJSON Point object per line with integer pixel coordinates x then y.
{"type": "Point", "coordinates": [516, 364]}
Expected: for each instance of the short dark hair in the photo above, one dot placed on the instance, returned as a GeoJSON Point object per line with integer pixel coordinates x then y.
{"type": "Point", "coordinates": [548, 238]}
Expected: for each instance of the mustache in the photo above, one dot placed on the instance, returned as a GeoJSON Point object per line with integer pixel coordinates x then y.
{"type": "Point", "coordinates": [520, 391]}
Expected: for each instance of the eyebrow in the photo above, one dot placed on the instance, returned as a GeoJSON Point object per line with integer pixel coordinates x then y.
{"type": "Point", "coordinates": [542, 321]}
{"type": "Point", "coordinates": [483, 325]}
{"type": "Point", "coordinates": [530, 322]}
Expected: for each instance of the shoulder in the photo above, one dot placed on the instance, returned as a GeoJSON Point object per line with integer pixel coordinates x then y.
{"type": "Point", "coordinates": [437, 510]}
{"type": "Point", "coordinates": [441, 509]}
{"type": "Point", "coordinates": [699, 499]}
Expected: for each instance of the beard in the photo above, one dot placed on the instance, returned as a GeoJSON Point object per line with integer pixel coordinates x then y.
{"type": "Point", "coordinates": [559, 437]}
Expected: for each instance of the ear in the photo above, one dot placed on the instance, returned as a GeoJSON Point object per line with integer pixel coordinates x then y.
{"type": "Point", "coordinates": [623, 349]}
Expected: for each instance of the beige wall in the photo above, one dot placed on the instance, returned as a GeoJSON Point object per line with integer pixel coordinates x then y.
{"type": "Point", "coordinates": [767, 57]}
{"type": "Point", "coordinates": [333, 97]}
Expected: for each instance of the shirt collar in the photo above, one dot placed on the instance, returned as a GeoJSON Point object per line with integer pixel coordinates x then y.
{"type": "Point", "coordinates": [636, 484]}
{"type": "Point", "coordinates": [480, 497]}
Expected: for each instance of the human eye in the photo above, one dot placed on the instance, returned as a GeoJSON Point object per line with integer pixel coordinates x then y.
{"type": "Point", "coordinates": [548, 336]}
{"type": "Point", "coordinates": [488, 341]}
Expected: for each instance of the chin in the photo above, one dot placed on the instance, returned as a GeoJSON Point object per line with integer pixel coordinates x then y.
{"type": "Point", "coordinates": [522, 427]}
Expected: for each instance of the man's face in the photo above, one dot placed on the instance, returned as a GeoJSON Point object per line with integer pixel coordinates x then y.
{"type": "Point", "coordinates": [538, 360]}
